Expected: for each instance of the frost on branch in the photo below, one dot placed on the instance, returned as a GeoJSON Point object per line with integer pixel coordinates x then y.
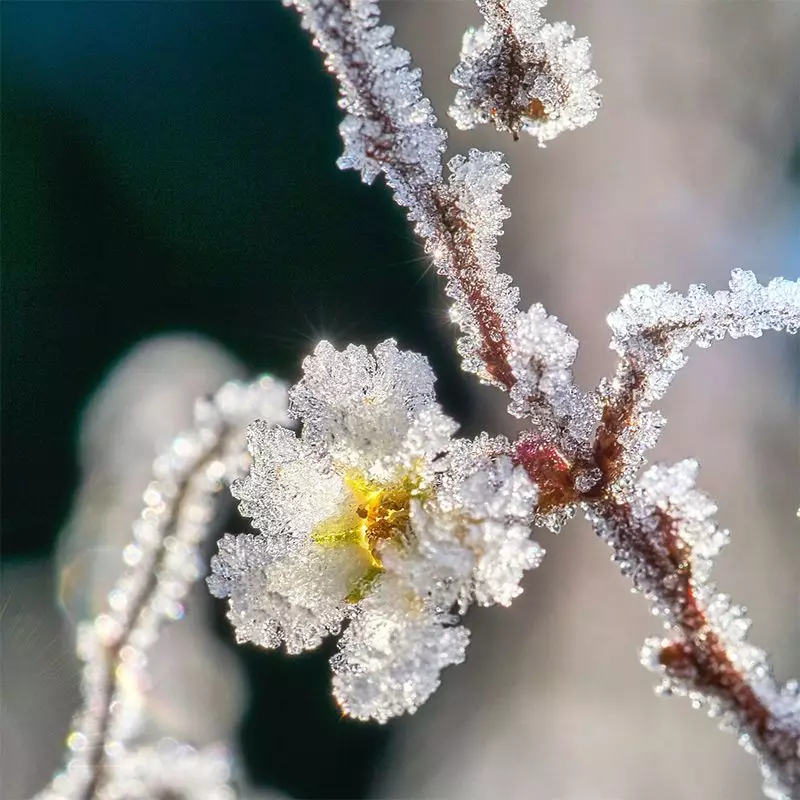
{"type": "Point", "coordinates": [664, 538]}
{"type": "Point", "coordinates": [390, 128]}
{"type": "Point", "coordinates": [375, 517]}
{"type": "Point", "coordinates": [484, 300]}
{"type": "Point", "coordinates": [109, 755]}
{"type": "Point", "coordinates": [652, 329]}
{"type": "Point", "coordinates": [524, 74]}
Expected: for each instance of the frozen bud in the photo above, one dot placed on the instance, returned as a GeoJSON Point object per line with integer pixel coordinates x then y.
{"type": "Point", "coordinates": [524, 74]}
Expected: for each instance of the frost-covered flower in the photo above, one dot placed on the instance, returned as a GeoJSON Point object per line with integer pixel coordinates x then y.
{"type": "Point", "coordinates": [373, 514]}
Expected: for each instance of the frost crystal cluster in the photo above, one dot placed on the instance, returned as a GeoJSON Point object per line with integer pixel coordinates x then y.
{"type": "Point", "coordinates": [375, 516]}
{"type": "Point", "coordinates": [524, 74]}
{"type": "Point", "coordinates": [374, 522]}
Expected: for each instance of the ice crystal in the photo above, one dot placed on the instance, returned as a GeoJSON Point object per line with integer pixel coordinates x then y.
{"type": "Point", "coordinates": [474, 191]}
{"type": "Point", "coordinates": [392, 653]}
{"type": "Point", "coordinates": [373, 514]}
{"type": "Point", "coordinates": [524, 74]}
{"type": "Point", "coordinates": [389, 126]}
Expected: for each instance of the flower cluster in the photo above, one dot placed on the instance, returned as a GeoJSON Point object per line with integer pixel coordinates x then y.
{"type": "Point", "coordinates": [375, 516]}
{"type": "Point", "coordinates": [524, 74]}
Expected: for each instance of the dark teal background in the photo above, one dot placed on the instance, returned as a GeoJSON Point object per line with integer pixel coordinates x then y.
{"type": "Point", "coordinates": [170, 166]}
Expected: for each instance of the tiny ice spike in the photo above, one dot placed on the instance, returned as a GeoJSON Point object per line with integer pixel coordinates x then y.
{"type": "Point", "coordinates": [524, 74]}
{"type": "Point", "coordinates": [375, 515]}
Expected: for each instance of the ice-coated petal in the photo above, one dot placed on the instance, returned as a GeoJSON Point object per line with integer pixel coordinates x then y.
{"type": "Point", "coordinates": [290, 487]}
{"type": "Point", "coordinates": [357, 406]}
{"type": "Point", "coordinates": [283, 590]}
{"type": "Point", "coordinates": [484, 508]}
{"type": "Point", "coordinates": [390, 658]}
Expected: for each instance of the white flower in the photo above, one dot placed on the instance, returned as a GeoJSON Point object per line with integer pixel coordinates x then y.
{"type": "Point", "coordinates": [373, 514]}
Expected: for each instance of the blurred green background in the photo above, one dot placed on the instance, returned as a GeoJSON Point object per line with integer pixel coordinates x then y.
{"type": "Point", "coordinates": [170, 166]}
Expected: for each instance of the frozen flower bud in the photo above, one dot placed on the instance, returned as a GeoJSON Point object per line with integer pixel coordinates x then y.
{"type": "Point", "coordinates": [375, 516]}
{"type": "Point", "coordinates": [524, 74]}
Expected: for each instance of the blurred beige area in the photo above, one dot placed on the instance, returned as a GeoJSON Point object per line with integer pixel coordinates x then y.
{"type": "Point", "coordinates": [682, 178]}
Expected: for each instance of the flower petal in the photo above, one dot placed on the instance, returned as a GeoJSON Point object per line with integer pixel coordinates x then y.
{"type": "Point", "coordinates": [390, 658]}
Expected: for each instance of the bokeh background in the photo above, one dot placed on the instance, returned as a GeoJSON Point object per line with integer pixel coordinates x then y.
{"type": "Point", "coordinates": [168, 171]}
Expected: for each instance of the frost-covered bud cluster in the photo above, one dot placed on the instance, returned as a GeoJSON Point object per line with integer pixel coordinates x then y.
{"type": "Point", "coordinates": [373, 516]}
{"type": "Point", "coordinates": [524, 74]}
{"type": "Point", "coordinates": [665, 540]}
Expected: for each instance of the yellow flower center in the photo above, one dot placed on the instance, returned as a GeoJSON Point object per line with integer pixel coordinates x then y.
{"type": "Point", "coordinates": [375, 514]}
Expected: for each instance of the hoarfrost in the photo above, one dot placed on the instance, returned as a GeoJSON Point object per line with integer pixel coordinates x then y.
{"type": "Point", "coordinates": [524, 74]}
{"type": "Point", "coordinates": [653, 328]}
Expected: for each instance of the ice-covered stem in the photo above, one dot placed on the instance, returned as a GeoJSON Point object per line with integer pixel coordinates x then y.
{"type": "Point", "coordinates": [652, 329]}
{"type": "Point", "coordinates": [161, 564]}
{"type": "Point", "coordinates": [664, 538]}
{"type": "Point", "coordinates": [659, 526]}
{"type": "Point", "coordinates": [522, 73]}
{"type": "Point", "coordinates": [390, 129]}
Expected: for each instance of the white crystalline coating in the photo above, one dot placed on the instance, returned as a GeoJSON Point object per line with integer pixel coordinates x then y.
{"type": "Point", "coordinates": [671, 491]}
{"type": "Point", "coordinates": [654, 326]}
{"type": "Point", "coordinates": [390, 126]}
{"type": "Point", "coordinates": [373, 514]}
{"type": "Point", "coordinates": [475, 186]}
{"type": "Point", "coordinates": [357, 407]}
{"type": "Point", "coordinates": [171, 769]}
{"type": "Point", "coordinates": [674, 488]}
{"type": "Point", "coordinates": [281, 590]}
{"type": "Point", "coordinates": [522, 73]}
{"type": "Point", "coordinates": [391, 655]}
{"type": "Point", "coordinates": [542, 354]}
{"type": "Point", "coordinates": [274, 493]}
{"type": "Point", "coordinates": [483, 513]}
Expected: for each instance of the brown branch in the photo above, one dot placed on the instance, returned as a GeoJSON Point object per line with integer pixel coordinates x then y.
{"type": "Point", "coordinates": [660, 563]}
{"type": "Point", "coordinates": [448, 237]}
